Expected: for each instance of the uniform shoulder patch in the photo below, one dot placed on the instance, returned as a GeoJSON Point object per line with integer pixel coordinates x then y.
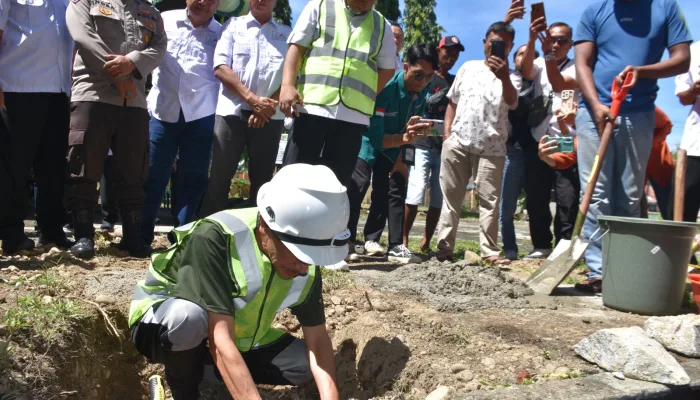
{"type": "Point", "coordinates": [104, 11]}
{"type": "Point", "coordinates": [146, 11]}
{"type": "Point", "coordinates": [150, 25]}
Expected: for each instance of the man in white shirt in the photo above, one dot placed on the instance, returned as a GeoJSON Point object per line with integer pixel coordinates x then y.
{"type": "Point", "coordinates": [688, 92]}
{"type": "Point", "coordinates": [35, 69]}
{"type": "Point", "coordinates": [335, 94]}
{"type": "Point", "coordinates": [248, 62]}
{"type": "Point", "coordinates": [476, 130]}
{"type": "Point", "coordinates": [552, 74]}
{"type": "Point", "coordinates": [397, 31]}
{"type": "Point", "coordinates": [182, 103]}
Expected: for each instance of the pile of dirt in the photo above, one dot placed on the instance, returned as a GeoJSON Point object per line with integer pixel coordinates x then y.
{"type": "Point", "coordinates": [457, 286]}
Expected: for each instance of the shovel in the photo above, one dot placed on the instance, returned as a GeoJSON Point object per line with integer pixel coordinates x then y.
{"type": "Point", "coordinates": [568, 253]}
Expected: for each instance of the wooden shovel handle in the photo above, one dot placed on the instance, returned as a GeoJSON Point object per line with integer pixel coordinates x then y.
{"type": "Point", "coordinates": [679, 185]}
{"type": "Point", "coordinates": [593, 178]}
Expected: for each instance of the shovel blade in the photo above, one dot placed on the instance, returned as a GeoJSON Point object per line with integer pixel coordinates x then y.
{"type": "Point", "coordinates": [557, 266]}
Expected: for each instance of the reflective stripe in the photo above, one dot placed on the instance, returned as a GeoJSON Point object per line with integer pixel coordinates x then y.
{"type": "Point", "coordinates": [332, 81]}
{"type": "Point", "coordinates": [340, 54]}
{"type": "Point", "coordinates": [246, 253]}
{"type": "Point", "coordinates": [376, 33]}
{"type": "Point", "coordinates": [295, 291]}
{"type": "Point", "coordinates": [329, 29]}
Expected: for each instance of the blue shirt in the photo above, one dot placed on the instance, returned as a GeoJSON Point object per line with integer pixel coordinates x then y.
{"type": "Point", "coordinates": [636, 33]}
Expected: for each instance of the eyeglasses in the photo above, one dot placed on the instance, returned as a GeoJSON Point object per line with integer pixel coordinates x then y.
{"type": "Point", "coordinates": [562, 41]}
{"type": "Point", "coordinates": [420, 76]}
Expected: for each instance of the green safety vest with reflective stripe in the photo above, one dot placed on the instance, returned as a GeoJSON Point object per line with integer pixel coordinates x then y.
{"type": "Point", "coordinates": [341, 65]}
{"type": "Point", "coordinates": [262, 293]}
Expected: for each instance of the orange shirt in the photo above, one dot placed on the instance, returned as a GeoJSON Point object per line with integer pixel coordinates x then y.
{"type": "Point", "coordinates": [660, 164]}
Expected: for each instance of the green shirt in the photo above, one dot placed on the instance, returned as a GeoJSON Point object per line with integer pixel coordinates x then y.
{"type": "Point", "coordinates": [202, 277]}
{"type": "Point", "coordinates": [394, 107]}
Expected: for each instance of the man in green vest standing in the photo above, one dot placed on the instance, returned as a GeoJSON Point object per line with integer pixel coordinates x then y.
{"type": "Point", "coordinates": [212, 297]}
{"type": "Point", "coordinates": [344, 53]}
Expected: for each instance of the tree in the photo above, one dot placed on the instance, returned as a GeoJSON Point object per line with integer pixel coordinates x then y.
{"type": "Point", "coordinates": [283, 12]}
{"type": "Point", "coordinates": [389, 9]}
{"type": "Point", "coordinates": [420, 23]}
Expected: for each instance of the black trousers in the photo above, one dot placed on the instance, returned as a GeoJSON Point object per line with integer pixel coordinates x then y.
{"type": "Point", "coordinates": [95, 128]}
{"type": "Point", "coordinates": [324, 141]}
{"type": "Point", "coordinates": [108, 207]}
{"type": "Point", "coordinates": [692, 191]}
{"type": "Point", "coordinates": [34, 135]}
{"type": "Point", "coordinates": [357, 190]}
{"type": "Point", "coordinates": [388, 202]}
{"type": "Point", "coordinates": [541, 178]}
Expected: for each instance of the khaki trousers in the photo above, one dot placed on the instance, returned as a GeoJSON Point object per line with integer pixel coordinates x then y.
{"type": "Point", "coordinates": [457, 167]}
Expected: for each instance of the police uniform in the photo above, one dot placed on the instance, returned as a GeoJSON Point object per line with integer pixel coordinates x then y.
{"type": "Point", "coordinates": [100, 118]}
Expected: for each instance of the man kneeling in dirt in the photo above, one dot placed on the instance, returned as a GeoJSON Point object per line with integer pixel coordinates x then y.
{"type": "Point", "coordinates": [212, 297]}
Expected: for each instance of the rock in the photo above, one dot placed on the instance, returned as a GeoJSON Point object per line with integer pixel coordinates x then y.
{"type": "Point", "coordinates": [103, 299]}
{"type": "Point", "coordinates": [382, 306]}
{"type": "Point", "coordinates": [619, 375]}
{"type": "Point", "coordinates": [458, 368]}
{"type": "Point", "coordinates": [471, 258]}
{"type": "Point", "coordinates": [336, 300]}
{"type": "Point", "coordinates": [46, 300]}
{"type": "Point", "coordinates": [11, 268]}
{"type": "Point", "coordinates": [54, 251]}
{"type": "Point", "coordinates": [347, 320]}
{"type": "Point", "coordinates": [472, 386]}
{"type": "Point", "coordinates": [441, 393]}
{"type": "Point", "coordinates": [488, 363]}
{"type": "Point", "coordinates": [562, 372]}
{"type": "Point", "coordinates": [465, 376]}
{"type": "Point", "coordinates": [680, 333]}
{"type": "Point", "coordinates": [586, 320]}
{"type": "Point", "coordinates": [630, 351]}
{"type": "Point", "coordinates": [340, 310]}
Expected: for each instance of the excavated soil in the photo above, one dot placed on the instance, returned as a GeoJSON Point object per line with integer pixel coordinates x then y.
{"type": "Point", "coordinates": [398, 332]}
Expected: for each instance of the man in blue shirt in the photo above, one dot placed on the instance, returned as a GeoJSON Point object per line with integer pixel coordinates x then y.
{"type": "Point", "coordinates": [613, 38]}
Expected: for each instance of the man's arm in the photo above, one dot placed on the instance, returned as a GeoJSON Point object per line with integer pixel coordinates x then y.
{"type": "Point", "coordinates": [527, 64]}
{"type": "Point", "coordinates": [689, 96]}
{"type": "Point", "coordinates": [449, 119]}
{"type": "Point", "coordinates": [93, 50]}
{"type": "Point", "coordinates": [384, 76]}
{"type": "Point", "coordinates": [228, 359]}
{"type": "Point", "coordinates": [678, 63]}
{"type": "Point", "coordinates": [584, 57]}
{"type": "Point", "coordinates": [150, 58]}
{"type": "Point", "coordinates": [289, 95]}
{"type": "Point", "coordinates": [559, 81]}
{"type": "Point", "coordinates": [322, 360]}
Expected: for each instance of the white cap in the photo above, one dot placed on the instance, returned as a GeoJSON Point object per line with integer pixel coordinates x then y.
{"type": "Point", "coordinates": [308, 209]}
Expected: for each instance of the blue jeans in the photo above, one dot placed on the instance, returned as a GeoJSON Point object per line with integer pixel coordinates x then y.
{"type": "Point", "coordinates": [513, 185]}
{"type": "Point", "coordinates": [426, 169]}
{"type": "Point", "coordinates": [620, 185]}
{"type": "Point", "coordinates": [193, 140]}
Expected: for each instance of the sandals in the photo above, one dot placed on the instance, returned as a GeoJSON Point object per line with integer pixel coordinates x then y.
{"type": "Point", "coordinates": [496, 260]}
{"type": "Point", "coordinates": [593, 285]}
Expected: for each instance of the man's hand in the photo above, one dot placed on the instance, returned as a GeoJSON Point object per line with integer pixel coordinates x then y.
{"type": "Point", "coordinates": [2, 99]}
{"type": "Point", "coordinates": [537, 27]}
{"type": "Point", "coordinates": [498, 67]}
{"type": "Point", "coordinates": [695, 88]}
{"type": "Point", "coordinates": [415, 130]}
{"type": "Point", "coordinates": [119, 66]}
{"type": "Point", "coordinates": [565, 115]}
{"type": "Point", "coordinates": [126, 87]}
{"type": "Point", "coordinates": [620, 79]}
{"type": "Point", "coordinates": [545, 150]}
{"type": "Point", "coordinates": [547, 42]}
{"type": "Point", "coordinates": [264, 107]}
{"type": "Point", "coordinates": [515, 11]}
{"type": "Point", "coordinates": [256, 121]}
{"type": "Point", "coordinates": [289, 97]}
{"type": "Point", "coordinates": [602, 116]}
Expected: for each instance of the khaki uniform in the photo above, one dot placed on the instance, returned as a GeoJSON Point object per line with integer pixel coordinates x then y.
{"type": "Point", "coordinates": [100, 119]}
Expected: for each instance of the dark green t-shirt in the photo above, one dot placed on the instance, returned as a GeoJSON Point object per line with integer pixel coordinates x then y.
{"type": "Point", "coordinates": [201, 271]}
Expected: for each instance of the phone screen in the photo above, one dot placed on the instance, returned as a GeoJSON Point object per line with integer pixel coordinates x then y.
{"type": "Point", "coordinates": [498, 48]}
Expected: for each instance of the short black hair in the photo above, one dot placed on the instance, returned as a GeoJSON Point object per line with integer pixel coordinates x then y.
{"type": "Point", "coordinates": [501, 27]}
{"type": "Point", "coordinates": [515, 54]}
{"type": "Point", "coordinates": [422, 51]}
{"type": "Point", "coordinates": [396, 24]}
{"type": "Point", "coordinates": [562, 25]}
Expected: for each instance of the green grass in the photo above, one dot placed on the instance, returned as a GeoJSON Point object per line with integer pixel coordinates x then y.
{"type": "Point", "coordinates": [333, 280]}
{"type": "Point", "coordinates": [47, 321]}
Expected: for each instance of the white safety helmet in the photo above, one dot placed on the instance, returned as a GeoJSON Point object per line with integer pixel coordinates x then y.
{"type": "Point", "coordinates": [308, 209]}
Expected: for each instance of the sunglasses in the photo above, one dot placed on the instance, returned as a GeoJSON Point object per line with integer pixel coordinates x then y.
{"type": "Point", "coordinates": [420, 76]}
{"type": "Point", "coordinates": [562, 41]}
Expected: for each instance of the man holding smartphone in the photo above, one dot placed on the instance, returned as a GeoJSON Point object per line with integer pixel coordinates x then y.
{"type": "Point", "coordinates": [426, 169]}
{"type": "Point", "coordinates": [476, 130]}
{"type": "Point", "coordinates": [615, 38]}
{"type": "Point", "coordinates": [553, 73]}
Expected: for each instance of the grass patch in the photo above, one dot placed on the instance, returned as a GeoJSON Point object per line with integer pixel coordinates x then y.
{"type": "Point", "coordinates": [45, 320]}
{"type": "Point", "coordinates": [333, 280]}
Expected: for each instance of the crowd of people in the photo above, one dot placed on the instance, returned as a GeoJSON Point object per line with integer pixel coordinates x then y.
{"type": "Point", "coordinates": [75, 108]}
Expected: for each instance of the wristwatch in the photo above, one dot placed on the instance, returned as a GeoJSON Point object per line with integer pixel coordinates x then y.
{"type": "Point", "coordinates": [549, 56]}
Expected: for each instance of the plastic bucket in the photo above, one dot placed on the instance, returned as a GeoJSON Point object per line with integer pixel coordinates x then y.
{"type": "Point", "coordinates": [645, 264]}
{"type": "Point", "coordinates": [695, 283]}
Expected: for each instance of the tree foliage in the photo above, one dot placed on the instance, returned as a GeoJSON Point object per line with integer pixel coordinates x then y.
{"type": "Point", "coordinates": [389, 9]}
{"type": "Point", "coordinates": [420, 23]}
{"type": "Point", "coordinates": [283, 12]}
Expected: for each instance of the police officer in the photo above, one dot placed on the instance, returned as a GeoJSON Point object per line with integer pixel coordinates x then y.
{"type": "Point", "coordinates": [119, 44]}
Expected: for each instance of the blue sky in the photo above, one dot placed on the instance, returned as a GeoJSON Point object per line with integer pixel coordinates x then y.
{"type": "Point", "coordinates": [468, 19]}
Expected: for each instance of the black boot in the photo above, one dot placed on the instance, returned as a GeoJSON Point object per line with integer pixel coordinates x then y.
{"type": "Point", "coordinates": [84, 246]}
{"type": "Point", "coordinates": [183, 372]}
{"type": "Point", "coordinates": [131, 236]}
{"type": "Point", "coordinates": [57, 237]}
{"type": "Point", "coordinates": [14, 244]}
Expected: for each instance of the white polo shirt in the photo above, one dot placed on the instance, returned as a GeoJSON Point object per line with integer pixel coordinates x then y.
{"type": "Point", "coordinates": [255, 52]}
{"type": "Point", "coordinates": [544, 87]}
{"type": "Point", "coordinates": [691, 135]}
{"type": "Point", "coordinates": [307, 30]}
{"type": "Point", "coordinates": [36, 50]}
{"type": "Point", "coordinates": [185, 79]}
